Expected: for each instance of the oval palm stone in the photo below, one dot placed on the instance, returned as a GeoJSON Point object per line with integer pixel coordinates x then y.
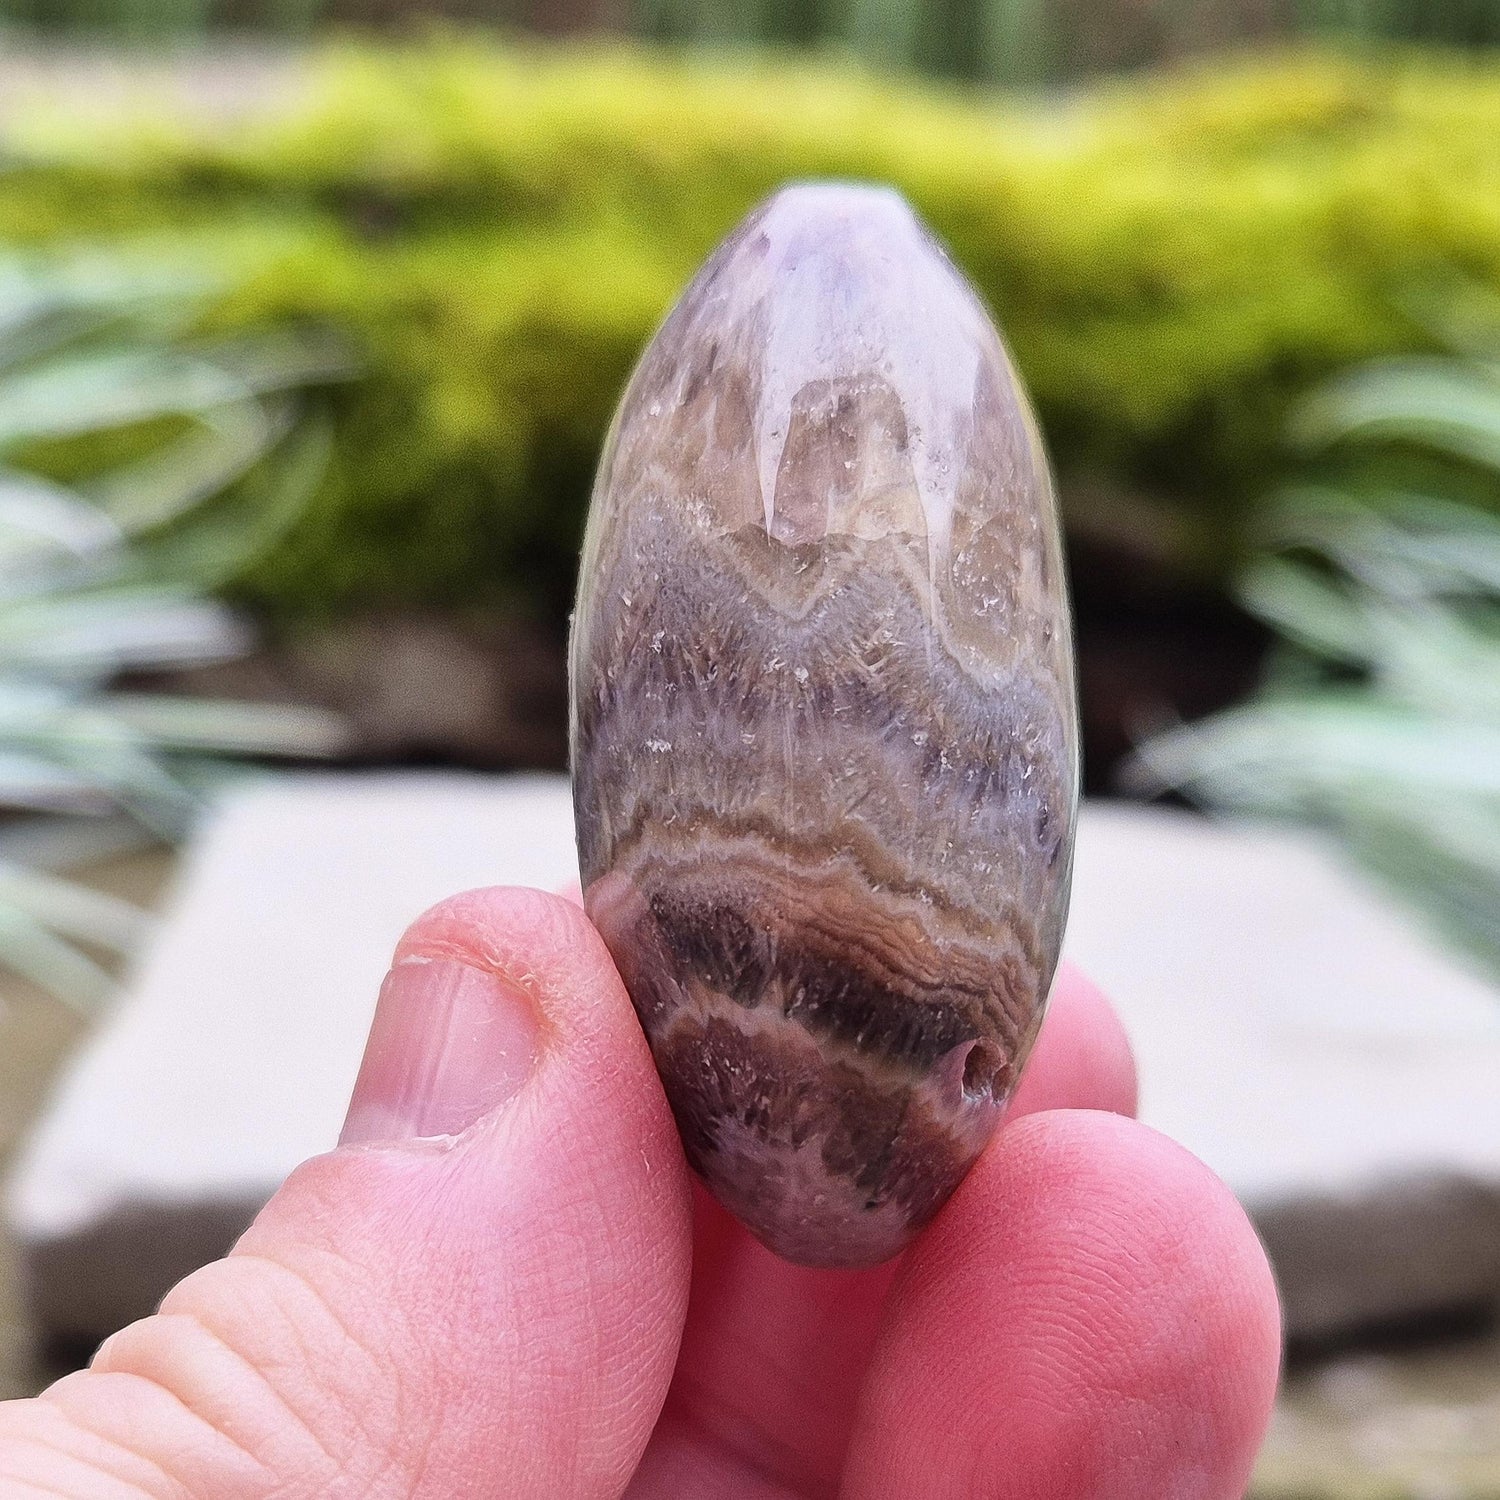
{"type": "Point", "coordinates": [824, 729]}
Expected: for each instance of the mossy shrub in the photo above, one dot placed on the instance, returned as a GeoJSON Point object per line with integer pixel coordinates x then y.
{"type": "Point", "coordinates": [1173, 259]}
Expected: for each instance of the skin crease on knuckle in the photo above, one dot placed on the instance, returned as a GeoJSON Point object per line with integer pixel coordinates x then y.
{"type": "Point", "coordinates": [254, 1348]}
{"type": "Point", "coordinates": [49, 1450]}
{"type": "Point", "coordinates": [246, 1384]}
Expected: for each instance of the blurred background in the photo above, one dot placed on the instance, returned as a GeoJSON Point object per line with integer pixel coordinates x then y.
{"type": "Point", "coordinates": [312, 317]}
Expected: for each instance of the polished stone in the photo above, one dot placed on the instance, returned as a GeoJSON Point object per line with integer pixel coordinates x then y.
{"type": "Point", "coordinates": [824, 743]}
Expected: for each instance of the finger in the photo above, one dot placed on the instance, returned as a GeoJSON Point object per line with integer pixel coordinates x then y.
{"type": "Point", "coordinates": [772, 1360]}
{"type": "Point", "coordinates": [479, 1294]}
{"type": "Point", "coordinates": [773, 1355]}
{"type": "Point", "coordinates": [1090, 1318]}
{"type": "Point", "coordinates": [1082, 1058]}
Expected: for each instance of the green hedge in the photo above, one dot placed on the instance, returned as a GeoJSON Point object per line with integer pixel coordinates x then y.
{"type": "Point", "coordinates": [1173, 259]}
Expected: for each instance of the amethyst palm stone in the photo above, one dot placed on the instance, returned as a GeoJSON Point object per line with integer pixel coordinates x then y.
{"type": "Point", "coordinates": [824, 730]}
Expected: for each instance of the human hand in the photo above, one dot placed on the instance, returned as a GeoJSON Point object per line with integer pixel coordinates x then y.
{"type": "Point", "coordinates": [502, 1284]}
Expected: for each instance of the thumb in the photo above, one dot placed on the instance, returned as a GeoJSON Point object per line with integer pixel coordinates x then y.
{"type": "Point", "coordinates": [479, 1293]}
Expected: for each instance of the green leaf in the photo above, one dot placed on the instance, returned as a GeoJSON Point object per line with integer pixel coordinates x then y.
{"type": "Point", "coordinates": [30, 949]}
{"type": "Point", "coordinates": [1445, 860]}
{"type": "Point", "coordinates": [204, 724]}
{"type": "Point", "coordinates": [1449, 406]}
{"type": "Point", "coordinates": [95, 634]}
{"type": "Point", "coordinates": [110, 574]}
{"type": "Point", "coordinates": [111, 389]}
{"type": "Point", "coordinates": [1308, 608]}
{"type": "Point", "coordinates": [171, 481]}
{"type": "Point", "coordinates": [74, 911]}
{"type": "Point", "coordinates": [1284, 755]}
{"type": "Point", "coordinates": [40, 520]}
{"type": "Point", "coordinates": [216, 541]}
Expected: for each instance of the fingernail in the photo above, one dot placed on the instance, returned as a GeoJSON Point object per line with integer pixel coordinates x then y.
{"type": "Point", "coordinates": [449, 1043]}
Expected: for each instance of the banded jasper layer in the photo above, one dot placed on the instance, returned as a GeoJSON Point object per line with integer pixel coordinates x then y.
{"type": "Point", "coordinates": [824, 738]}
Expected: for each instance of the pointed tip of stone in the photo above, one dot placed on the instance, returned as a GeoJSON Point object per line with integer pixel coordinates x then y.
{"type": "Point", "coordinates": [823, 210]}
{"type": "Point", "coordinates": [842, 288]}
{"type": "Point", "coordinates": [841, 197]}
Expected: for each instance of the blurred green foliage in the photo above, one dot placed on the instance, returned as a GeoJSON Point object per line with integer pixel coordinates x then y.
{"type": "Point", "coordinates": [1036, 41]}
{"type": "Point", "coordinates": [1380, 714]}
{"type": "Point", "coordinates": [999, 41]}
{"type": "Point", "coordinates": [1174, 260]}
{"type": "Point", "coordinates": [108, 574]}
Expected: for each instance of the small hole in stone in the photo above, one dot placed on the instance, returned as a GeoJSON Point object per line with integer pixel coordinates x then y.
{"type": "Point", "coordinates": [982, 1066]}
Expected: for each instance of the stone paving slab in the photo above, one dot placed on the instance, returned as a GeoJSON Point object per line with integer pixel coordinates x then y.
{"type": "Point", "coordinates": [1298, 1030]}
{"type": "Point", "coordinates": [1294, 1028]}
{"type": "Point", "coordinates": [231, 1056]}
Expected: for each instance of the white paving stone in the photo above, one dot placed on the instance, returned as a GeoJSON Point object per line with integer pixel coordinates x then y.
{"type": "Point", "coordinates": [1294, 1028]}
{"type": "Point", "coordinates": [1298, 1030]}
